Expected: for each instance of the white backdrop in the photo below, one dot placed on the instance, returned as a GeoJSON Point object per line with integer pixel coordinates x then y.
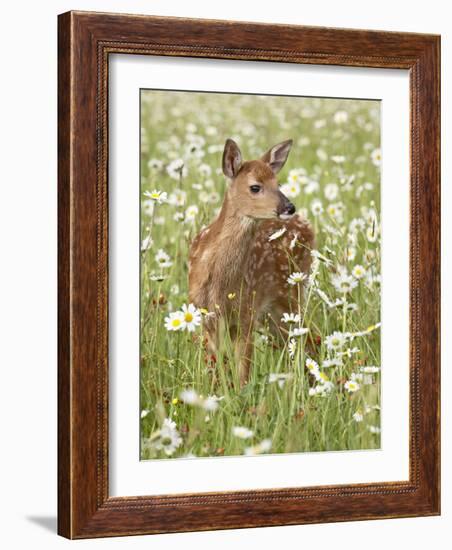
{"type": "Point", "coordinates": [28, 274]}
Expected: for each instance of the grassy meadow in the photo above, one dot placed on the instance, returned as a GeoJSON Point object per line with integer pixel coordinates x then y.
{"type": "Point", "coordinates": [320, 391]}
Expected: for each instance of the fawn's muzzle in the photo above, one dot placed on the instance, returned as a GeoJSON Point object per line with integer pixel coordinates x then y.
{"type": "Point", "coordinates": [285, 209]}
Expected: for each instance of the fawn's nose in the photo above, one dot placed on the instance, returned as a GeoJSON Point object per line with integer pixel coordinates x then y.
{"type": "Point", "coordinates": [290, 209]}
{"type": "Point", "coordinates": [285, 208]}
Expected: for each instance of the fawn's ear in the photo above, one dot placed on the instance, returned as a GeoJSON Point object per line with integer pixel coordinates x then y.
{"type": "Point", "coordinates": [276, 156]}
{"type": "Point", "coordinates": [232, 159]}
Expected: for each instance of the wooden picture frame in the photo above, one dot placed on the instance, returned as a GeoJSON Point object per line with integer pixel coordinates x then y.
{"type": "Point", "coordinates": [85, 42]}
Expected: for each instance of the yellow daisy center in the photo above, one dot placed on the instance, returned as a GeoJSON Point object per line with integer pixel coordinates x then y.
{"type": "Point", "coordinates": [188, 317]}
{"type": "Point", "coordinates": [175, 322]}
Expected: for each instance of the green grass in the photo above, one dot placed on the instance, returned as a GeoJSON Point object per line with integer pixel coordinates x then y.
{"type": "Point", "coordinates": [172, 362]}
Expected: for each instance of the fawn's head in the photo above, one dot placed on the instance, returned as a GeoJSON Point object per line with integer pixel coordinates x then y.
{"type": "Point", "coordinates": [254, 189]}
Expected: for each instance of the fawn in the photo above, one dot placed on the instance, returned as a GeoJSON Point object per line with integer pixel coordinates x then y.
{"type": "Point", "coordinates": [235, 271]}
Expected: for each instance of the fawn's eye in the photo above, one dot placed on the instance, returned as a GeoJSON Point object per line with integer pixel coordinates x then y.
{"type": "Point", "coordinates": [255, 188]}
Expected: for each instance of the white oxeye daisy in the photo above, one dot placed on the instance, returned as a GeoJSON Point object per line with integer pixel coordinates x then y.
{"type": "Point", "coordinates": [178, 216]}
{"type": "Point", "coordinates": [338, 159]}
{"type": "Point", "coordinates": [369, 213]}
{"type": "Point", "coordinates": [292, 177]}
{"type": "Point", "coordinates": [174, 321]}
{"type": "Point", "coordinates": [191, 213]}
{"type": "Point", "coordinates": [155, 164]}
{"type": "Point", "coordinates": [191, 317]}
{"type": "Point", "coordinates": [336, 340]}
{"type": "Point", "coordinates": [148, 207]}
{"type": "Point", "coordinates": [319, 256]}
{"type": "Point", "coordinates": [163, 259]}
{"type": "Point", "coordinates": [340, 117]}
{"type": "Point", "coordinates": [372, 233]}
{"type": "Point", "coordinates": [376, 157]}
{"type": "Point", "coordinates": [146, 243]}
{"type": "Point", "coordinates": [210, 403]}
{"type": "Point", "coordinates": [358, 271]}
{"type": "Point", "coordinates": [303, 141]}
{"type": "Point", "coordinates": [352, 239]}
{"type": "Point", "coordinates": [177, 197]}
{"type": "Point", "coordinates": [215, 149]}
{"type": "Point", "coordinates": [336, 362]}
{"type": "Point", "coordinates": [167, 439]}
{"type": "Point", "coordinates": [372, 279]}
{"type": "Point", "coordinates": [350, 253]}
{"type": "Point", "coordinates": [204, 196]}
{"type": "Point", "coordinates": [176, 169]}
{"type": "Point", "coordinates": [277, 234]}
{"type": "Point", "coordinates": [298, 331]}
{"type": "Point", "coordinates": [204, 170]}
{"type": "Point", "coordinates": [290, 318]}
{"type": "Point", "coordinates": [374, 429]}
{"type": "Point", "coordinates": [262, 447]}
{"type": "Point", "coordinates": [291, 189]}
{"type": "Point", "coordinates": [319, 123]}
{"type": "Point", "coordinates": [158, 197]}
{"type": "Point", "coordinates": [322, 389]}
{"type": "Point", "coordinates": [334, 210]}
{"type": "Point", "coordinates": [195, 149]}
{"type": "Point", "coordinates": [296, 174]}
{"type": "Point", "coordinates": [292, 347]}
{"type": "Point", "coordinates": [357, 416]}
{"type": "Point", "coordinates": [331, 191]}
{"type": "Point", "coordinates": [241, 432]}
{"type": "Point", "coordinates": [214, 197]}
{"type": "Point", "coordinates": [191, 128]}
{"type": "Point", "coordinates": [369, 256]}
{"type": "Point", "coordinates": [211, 131]}
{"type": "Point", "coordinates": [322, 155]}
{"type": "Point", "coordinates": [311, 187]}
{"type": "Point", "coordinates": [357, 224]}
{"type": "Point", "coordinates": [351, 386]}
{"type": "Point", "coordinates": [157, 277]}
{"type": "Point", "coordinates": [316, 207]}
{"type": "Point", "coordinates": [343, 282]}
{"type": "Point", "coordinates": [144, 413]}
{"type": "Point", "coordinates": [280, 378]}
{"type": "Point", "coordinates": [370, 369]}
{"type": "Point", "coordinates": [189, 397]}
{"type": "Point", "coordinates": [313, 368]}
{"type": "Point", "coordinates": [296, 278]}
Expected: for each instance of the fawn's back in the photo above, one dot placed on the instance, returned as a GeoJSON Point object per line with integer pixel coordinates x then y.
{"type": "Point", "coordinates": [271, 262]}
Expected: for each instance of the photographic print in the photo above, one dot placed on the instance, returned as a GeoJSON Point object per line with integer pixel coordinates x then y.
{"type": "Point", "coordinates": [260, 274]}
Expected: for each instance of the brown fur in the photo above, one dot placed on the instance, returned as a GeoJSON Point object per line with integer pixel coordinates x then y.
{"type": "Point", "coordinates": [234, 256]}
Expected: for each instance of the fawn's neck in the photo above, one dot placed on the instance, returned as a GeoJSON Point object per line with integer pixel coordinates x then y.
{"type": "Point", "coordinates": [235, 233]}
